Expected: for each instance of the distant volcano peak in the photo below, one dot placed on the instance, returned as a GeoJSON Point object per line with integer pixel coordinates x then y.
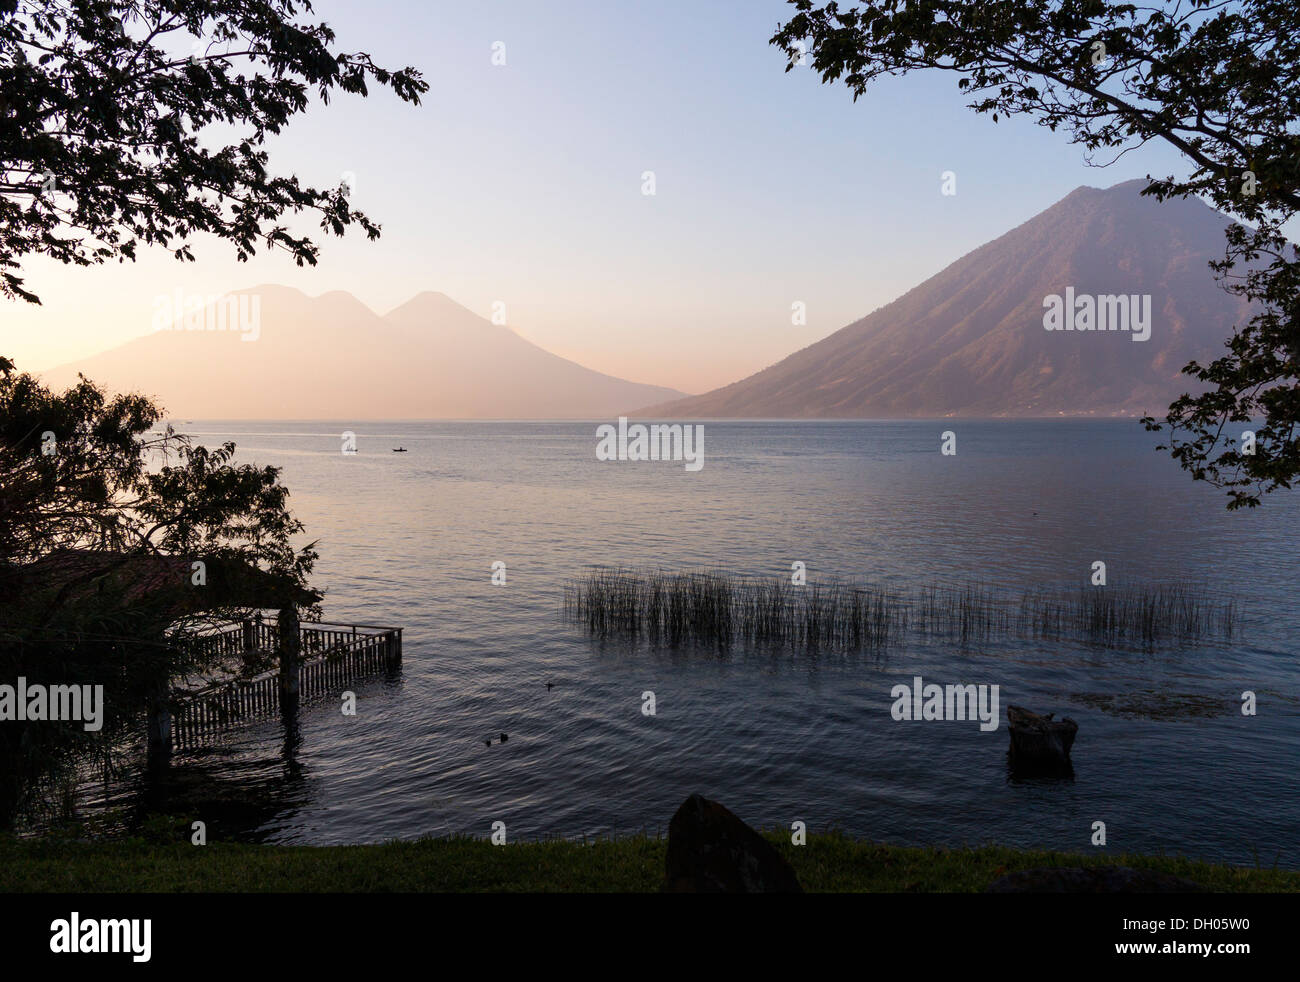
{"type": "Point", "coordinates": [332, 357]}
{"type": "Point", "coordinates": [971, 341]}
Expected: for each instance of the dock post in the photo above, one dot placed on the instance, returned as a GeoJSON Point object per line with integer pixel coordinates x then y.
{"type": "Point", "coordinates": [394, 649]}
{"type": "Point", "coordinates": [290, 658]}
{"type": "Point", "coordinates": [159, 723]}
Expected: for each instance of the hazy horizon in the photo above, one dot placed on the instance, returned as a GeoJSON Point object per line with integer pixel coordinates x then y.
{"type": "Point", "coordinates": [522, 184]}
{"type": "Point", "coordinates": [965, 342]}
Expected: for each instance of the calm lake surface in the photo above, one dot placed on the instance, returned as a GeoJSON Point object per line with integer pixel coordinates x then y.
{"type": "Point", "coordinates": [1164, 755]}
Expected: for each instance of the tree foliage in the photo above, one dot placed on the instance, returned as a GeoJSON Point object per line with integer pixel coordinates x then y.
{"type": "Point", "coordinates": [83, 471]}
{"type": "Point", "coordinates": [116, 119]}
{"type": "Point", "coordinates": [1219, 81]}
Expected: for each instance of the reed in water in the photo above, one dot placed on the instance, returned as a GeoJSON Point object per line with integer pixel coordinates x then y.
{"type": "Point", "coordinates": [725, 609]}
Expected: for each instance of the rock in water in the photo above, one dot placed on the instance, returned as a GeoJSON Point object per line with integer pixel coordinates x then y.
{"type": "Point", "coordinates": [1039, 742]}
{"type": "Point", "coordinates": [1093, 879]}
{"type": "Point", "coordinates": [710, 850]}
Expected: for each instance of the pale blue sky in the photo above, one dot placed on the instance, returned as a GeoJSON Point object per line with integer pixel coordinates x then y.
{"type": "Point", "coordinates": [522, 183]}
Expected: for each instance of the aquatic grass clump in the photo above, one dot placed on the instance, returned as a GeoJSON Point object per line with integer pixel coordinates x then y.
{"type": "Point", "coordinates": [716, 608]}
{"type": "Point", "coordinates": [1147, 614]}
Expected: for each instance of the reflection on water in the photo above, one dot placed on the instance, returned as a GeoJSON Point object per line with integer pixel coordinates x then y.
{"type": "Point", "coordinates": [235, 795]}
{"type": "Point", "coordinates": [1164, 755]}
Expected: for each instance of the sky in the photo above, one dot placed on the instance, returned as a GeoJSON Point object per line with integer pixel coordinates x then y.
{"type": "Point", "coordinates": [522, 184]}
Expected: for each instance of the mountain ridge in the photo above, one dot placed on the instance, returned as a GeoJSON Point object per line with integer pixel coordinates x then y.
{"type": "Point", "coordinates": [969, 340]}
{"type": "Point", "coordinates": [332, 357]}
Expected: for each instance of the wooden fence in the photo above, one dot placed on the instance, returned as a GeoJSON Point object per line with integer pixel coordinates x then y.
{"type": "Point", "coordinates": [332, 655]}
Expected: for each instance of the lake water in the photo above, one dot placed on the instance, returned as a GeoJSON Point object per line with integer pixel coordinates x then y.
{"type": "Point", "coordinates": [1164, 755]}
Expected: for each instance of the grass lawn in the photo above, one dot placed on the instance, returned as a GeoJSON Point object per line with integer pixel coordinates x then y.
{"type": "Point", "coordinates": [828, 863]}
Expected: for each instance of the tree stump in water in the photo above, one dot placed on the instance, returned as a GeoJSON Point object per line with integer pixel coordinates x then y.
{"type": "Point", "coordinates": [1038, 742]}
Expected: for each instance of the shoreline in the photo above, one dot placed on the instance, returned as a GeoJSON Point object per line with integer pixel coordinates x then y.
{"type": "Point", "coordinates": [828, 863]}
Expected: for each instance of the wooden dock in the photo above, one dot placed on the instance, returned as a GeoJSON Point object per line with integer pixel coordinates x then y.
{"type": "Point", "coordinates": [328, 657]}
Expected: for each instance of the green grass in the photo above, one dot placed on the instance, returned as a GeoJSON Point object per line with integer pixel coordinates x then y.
{"type": "Point", "coordinates": [828, 863]}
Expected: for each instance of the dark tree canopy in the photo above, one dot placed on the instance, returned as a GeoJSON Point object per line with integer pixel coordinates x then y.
{"type": "Point", "coordinates": [114, 116]}
{"type": "Point", "coordinates": [1217, 80]}
{"type": "Point", "coordinates": [90, 477]}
